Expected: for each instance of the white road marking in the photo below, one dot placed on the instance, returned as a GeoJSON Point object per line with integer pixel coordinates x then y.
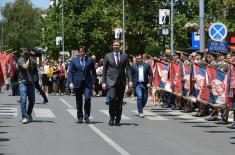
{"type": "Point", "coordinates": [66, 103]}
{"type": "Point", "coordinates": [109, 140]}
{"type": "Point", "coordinates": [106, 112]}
{"type": "Point", "coordinates": [186, 116]}
{"type": "Point", "coordinates": [44, 112]}
{"type": "Point", "coordinates": [8, 111]}
{"type": "Point", "coordinates": [73, 112]}
{"type": "Point", "coordinates": [151, 116]}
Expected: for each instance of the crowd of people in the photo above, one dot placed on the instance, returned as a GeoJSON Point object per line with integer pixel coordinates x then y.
{"type": "Point", "coordinates": [146, 78]}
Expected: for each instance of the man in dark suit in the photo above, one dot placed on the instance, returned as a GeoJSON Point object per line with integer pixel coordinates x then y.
{"type": "Point", "coordinates": [165, 19]}
{"type": "Point", "coordinates": [82, 76]}
{"type": "Point", "coordinates": [142, 78]}
{"type": "Point", "coordinates": [116, 65]}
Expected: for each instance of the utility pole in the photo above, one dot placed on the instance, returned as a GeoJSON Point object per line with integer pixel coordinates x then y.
{"type": "Point", "coordinates": [63, 29]}
{"type": "Point", "coordinates": [123, 25]}
{"type": "Point", "coordinates": [202, 25]}
{"type": "Point", "coordinates": [172, 27]}
{"type": "Point", "coordinates": [2, 30]}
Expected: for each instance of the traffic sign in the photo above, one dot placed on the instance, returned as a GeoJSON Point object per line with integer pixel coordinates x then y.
{"type": "Point", "coordinates": [218, 46]}
{"type": "Point", "coordinates": [218, 31]}
{"type": "Point", "coordinates": [195, 40]}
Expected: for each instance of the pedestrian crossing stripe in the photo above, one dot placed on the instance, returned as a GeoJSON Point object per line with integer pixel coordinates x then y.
{"type": "Point", "coordinates": [151, 116]}
{"type": "Point", "coordinates": [187, 116]}
{"type": "Point", "coordinates": [106, 112]}
{"type": "Point", "coordinates": [44, 113]}
{"type": "Point", "coordinates": [73, 113]}
{"type": "Point", "coordinates": [8, 111]}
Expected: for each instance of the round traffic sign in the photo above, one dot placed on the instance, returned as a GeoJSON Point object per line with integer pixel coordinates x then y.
{"type": "Point", "coordinates": [218, 31]}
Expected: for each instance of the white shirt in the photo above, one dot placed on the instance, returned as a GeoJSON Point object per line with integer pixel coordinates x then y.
{"type": "Point", "coordinates": [115, 57]}
{"type": "Point", "coordinates": [141, 72]}
{"type": "Point", "coordinates": [46, 67]}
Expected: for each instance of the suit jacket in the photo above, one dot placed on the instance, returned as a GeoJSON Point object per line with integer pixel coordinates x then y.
{"type": "Point", "coordinates": [148, 75]}
{"type": "Point", "coordinates": [167, 19]}
{"type": "Point", "coordinates": [78, 73]}
{"type": "Point", "coordinates": [112, 72]}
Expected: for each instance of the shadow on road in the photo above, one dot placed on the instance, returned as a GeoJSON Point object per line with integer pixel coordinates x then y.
{"type": "Point", "coordinates": [42, 121]}
{"type": "Point", "coordinates": [130, 124]}
{"type": "Point", "coordinates": [205, 126]}
{"type": "Point", "coordinates": [220, 131]}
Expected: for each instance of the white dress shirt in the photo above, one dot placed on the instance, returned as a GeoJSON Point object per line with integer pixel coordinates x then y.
{"type": "Point", "coordinates": [141, 72]}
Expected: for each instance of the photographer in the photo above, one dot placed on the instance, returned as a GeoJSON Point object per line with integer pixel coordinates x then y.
{"type": "Point", "coordinates": [26, 85]}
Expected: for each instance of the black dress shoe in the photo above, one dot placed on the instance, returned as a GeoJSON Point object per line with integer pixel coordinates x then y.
{"type": "Point", "coordinates": [79, 120]}
{"type": "Point", "coordinates": [45, 101]}
{"type": "Point", "coordinates": [87, 120]}
{"type": "Point", "coordinates": [111, 122]}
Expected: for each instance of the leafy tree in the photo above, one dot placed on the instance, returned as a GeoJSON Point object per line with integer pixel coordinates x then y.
{"type": "Point", "coordinates": [21, 25]}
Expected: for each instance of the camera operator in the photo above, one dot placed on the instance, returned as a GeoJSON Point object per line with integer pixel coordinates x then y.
{"type": "Point", "coordinates": [26, 85]}
{"type": "Point", "coordinates": [33, 58]}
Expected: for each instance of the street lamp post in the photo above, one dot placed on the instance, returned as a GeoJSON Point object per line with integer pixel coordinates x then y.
{"type": "Point", "coordinates": [63, 29]}
{"type": "Point", "coordinates": [123, 25]}
{"type": "Point", "coordinates": [2, 30]}
{"type": "Point", "coordinates": [202, 25]}
{"type": "Point", "coordinates": [172, 27]}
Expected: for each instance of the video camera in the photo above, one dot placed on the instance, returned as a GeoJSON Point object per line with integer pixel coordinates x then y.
{"type": "Point", "coordinates": [35, 52]}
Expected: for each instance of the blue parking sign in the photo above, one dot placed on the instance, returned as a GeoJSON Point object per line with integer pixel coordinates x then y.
{"type": "Point", "coordinates": [218, 31]}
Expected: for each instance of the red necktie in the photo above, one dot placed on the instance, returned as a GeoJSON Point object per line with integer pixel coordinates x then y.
{"type": "Point", "coordinates": [117, 58]}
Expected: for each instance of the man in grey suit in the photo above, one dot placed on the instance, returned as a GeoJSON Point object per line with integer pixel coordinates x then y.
{"type": "Point", "coordinates": [116, 65]}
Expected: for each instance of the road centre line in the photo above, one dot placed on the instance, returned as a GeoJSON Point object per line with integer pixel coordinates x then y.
{"type": "Point", "coordinates": [66, 103]}
{"type": "Point", "coordinates": [109, 140]}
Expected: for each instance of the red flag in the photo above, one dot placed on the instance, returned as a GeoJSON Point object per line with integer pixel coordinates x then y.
{"type": "Point", "coordinates": [10, 60]}
{"type": "Point", "coordinates": [156, 76]}
{"type": "Point", "coordinates": [176, 78]}
{"type": "Point", "coordinates": [3, 59]}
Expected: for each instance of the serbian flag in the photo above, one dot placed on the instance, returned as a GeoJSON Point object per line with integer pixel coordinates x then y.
{"type": "Point", "coordinates": [1, 76]}
{"type": "Point", "coordinates": [3, 59]}
{"type": "Point", "coordinates": [199, 77]}
{"type": "Point", "coordinates": [176, 78]}
{"type": "Point", "coordinates": [231, 88]}
{"type": "Point", "coordinates": [186, 78]}
{"type": "Point", "coordinates": [163, 70]}
{"type": "Point", "coordinates": [12, 64]}
{"type": "Point", "coordinates": [156, 76]}
{"type": "Point", "coordinates": [217, 82]}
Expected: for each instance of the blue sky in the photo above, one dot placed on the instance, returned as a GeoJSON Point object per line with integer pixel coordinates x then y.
{"type": "Point", "coordinates": [36, 3]}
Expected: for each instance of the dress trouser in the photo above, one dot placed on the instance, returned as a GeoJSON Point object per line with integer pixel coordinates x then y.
{"type": "Point", "coordinates": [87, 92]}
{"type": "Point", "coordinates": [38, 87]}
{"type": "Point", "coordinates": [116, 94]}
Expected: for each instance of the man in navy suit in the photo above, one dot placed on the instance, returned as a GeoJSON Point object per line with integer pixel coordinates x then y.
{"type": "Point", "coordinates": [142, 78]}
{"type": "Point", "coordinates": [82, 77]}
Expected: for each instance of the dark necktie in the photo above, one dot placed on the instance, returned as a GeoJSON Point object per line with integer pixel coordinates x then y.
{"type": "Point", "coordinates": [83, 63]}
{"type": "Point", "coordinates": [117, 58]}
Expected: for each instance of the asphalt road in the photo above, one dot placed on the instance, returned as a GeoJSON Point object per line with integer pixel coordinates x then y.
{"type": "Point", "coordinates": [54, 131]}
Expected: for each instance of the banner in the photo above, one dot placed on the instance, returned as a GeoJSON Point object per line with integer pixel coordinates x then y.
{"type": "Point", "coordinates": [199, 79]}
{"type": "Point", "coordinates": [186, 78]}
{"type": "Point", "coordinates": [3, 60]}
{"type": "Point", "coordinates": [216, 81]}
{"type": "Point", "coordinates": [156, 76]}
{"type": "Point", "coordinates": [231, 86]}
{"type": "Point", "coordinates": [176, 78]}
{"type": "Point", "coordinates": [163, 70]}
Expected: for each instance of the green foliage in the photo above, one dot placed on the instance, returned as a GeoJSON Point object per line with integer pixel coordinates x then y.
{"type": "Point", "coordinates": [91, 23]}
{"type": "Point", "coordinates": [21, 25]}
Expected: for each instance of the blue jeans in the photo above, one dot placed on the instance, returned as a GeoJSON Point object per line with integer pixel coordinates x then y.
{"type": "Point", "coordinates": [142, 96]}
{"type": "Point", "coordinates": [26, 90]}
